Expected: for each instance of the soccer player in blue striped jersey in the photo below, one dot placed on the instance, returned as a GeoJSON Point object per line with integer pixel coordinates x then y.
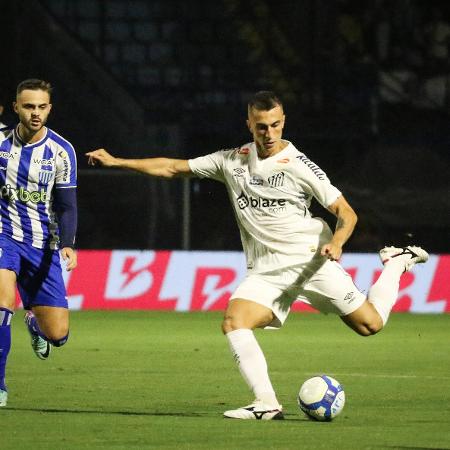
{"type": "Point", "coordinates": [38, 220]}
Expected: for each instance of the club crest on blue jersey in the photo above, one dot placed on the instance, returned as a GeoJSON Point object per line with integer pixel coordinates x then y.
{"type": "Point", "coordinates": [45, 176]}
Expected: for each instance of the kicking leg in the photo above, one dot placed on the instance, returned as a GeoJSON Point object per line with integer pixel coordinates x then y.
{"type": "Point", "coordinates": [373, 314]}
{"type": "Point", "coordinates": [241, 318]}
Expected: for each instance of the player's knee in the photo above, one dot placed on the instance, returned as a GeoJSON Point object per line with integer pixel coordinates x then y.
{"type": "Point", "coordinates": [370, 328]}
{"type": "Point", "coordinates": [228, 325]}
{"type": "Point", "coordinates": [59, 342]}
{"type": "Point", "coordinates": [58, 337]}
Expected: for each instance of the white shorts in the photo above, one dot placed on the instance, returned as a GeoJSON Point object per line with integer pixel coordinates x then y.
{"type": "Point", "coordinates": [327, 288]}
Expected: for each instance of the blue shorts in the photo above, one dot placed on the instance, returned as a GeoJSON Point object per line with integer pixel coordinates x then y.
{"type": "Point", "coordinates": [39, 273]}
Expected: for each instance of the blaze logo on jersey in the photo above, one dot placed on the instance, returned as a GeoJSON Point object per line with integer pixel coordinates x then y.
{"type": "Point", "coordinates": [9, 193]}
{"type": "Point", "coordinates": [276, 180]}
{"type": "Point", "coordinates": [273, 204]}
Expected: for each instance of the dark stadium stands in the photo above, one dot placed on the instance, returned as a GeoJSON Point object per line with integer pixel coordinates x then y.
{"type": "Point", "coordinates": [366, 88]}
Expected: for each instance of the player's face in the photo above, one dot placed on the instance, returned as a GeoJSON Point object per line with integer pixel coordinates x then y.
{"type": "Point", "coordinates": [267, 129]}
{"type": "Point", "coordinates": [33, 108]}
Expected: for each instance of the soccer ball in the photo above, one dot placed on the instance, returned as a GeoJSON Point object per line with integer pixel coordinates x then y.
{"type": "Point", "coordinates": [321, 398]}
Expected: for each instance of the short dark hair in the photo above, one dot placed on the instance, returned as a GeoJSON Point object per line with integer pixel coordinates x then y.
{"type": "Point", "coordinates": [34, 84]}
{"type": "Point", "coordinates": [264, 101]}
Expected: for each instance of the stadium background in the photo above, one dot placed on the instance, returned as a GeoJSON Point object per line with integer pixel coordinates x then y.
{"type": "Point", "coordinates": [366, 90]}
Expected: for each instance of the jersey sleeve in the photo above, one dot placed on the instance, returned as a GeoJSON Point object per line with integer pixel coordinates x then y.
{"type": "Point", "coordinates": [314, 180]}
{"type": "Point", "coordinates": [209, 166]}
{"type": "Point", "coordinates": [66, 167]}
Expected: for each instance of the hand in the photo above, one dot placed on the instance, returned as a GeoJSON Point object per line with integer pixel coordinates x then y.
{"type": "Point", "coordinates": [70, 257]}
{"type": "Point", "coordinates": [102, 157]}
{"type": "Point", "coordinates": [332, 251]}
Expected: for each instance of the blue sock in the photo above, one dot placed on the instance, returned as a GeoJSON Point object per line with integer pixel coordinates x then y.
{"type": "Point", "coordinates": [33, 326]}
{"type": "Point", "coordinates": [5, 342]}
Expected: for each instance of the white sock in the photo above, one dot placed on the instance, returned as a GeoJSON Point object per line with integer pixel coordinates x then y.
{"type": "Point", "coordinates": [252, 365]}
{"type": "Point", "coordinates": [383, 294]}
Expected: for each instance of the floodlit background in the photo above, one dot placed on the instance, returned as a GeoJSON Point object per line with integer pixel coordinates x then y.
{"type": "Point", "coordinates": [366, 86]}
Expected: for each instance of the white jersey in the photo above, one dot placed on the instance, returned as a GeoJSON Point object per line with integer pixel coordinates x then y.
{"type": "Point", "coordinates": [28, 175]}
{"type": "Point", "coordinates": [271, 198]}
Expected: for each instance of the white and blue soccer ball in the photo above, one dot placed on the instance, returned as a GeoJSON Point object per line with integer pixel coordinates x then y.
{"type": "Point", "coordinates": [321, 398]}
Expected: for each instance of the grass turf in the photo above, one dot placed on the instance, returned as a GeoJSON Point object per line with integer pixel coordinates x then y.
{"type": "Point", "coordinates": [160, 380]}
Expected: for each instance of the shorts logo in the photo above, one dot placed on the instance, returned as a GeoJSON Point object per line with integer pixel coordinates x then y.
{"type": "Point", "coordinates": [276, 180]}
{"type": "Point", "coordinates": [349, 297]}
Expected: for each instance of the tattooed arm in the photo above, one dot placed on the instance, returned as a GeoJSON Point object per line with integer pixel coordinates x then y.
{"type": "Point", "coordinates": [346, 221]}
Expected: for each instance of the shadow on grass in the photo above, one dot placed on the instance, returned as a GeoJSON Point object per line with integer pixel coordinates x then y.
{"type": "Point", "coordinates": [94, 411]}
{"type": "Point", "coordinates": [288, 417]}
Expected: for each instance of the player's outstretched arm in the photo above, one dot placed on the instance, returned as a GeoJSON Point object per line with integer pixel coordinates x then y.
{"type": "Point", "coordinates": [157, 167]}
{"type": "Point", "coordinates": [346, 221]}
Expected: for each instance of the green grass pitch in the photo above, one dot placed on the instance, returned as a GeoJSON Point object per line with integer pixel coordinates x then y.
{"type": "Point", "coordinates": [155, 380]}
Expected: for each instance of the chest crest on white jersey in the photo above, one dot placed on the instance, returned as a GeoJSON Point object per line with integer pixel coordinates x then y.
{"type": "Point", "coordinates": [276, 180]}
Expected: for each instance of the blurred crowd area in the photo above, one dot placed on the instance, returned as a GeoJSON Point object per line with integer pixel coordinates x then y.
{"type": "Point", "coordinates": [366, 86]}
{"type": "Point", "coordinates": [407, 41]}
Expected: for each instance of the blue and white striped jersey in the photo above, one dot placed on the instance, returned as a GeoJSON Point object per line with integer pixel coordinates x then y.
{"type": "Point", "coordinates": [28, 175]}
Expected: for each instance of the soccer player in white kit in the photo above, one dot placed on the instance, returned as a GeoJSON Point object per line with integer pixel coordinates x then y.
{"type": "Point", "coordinates": [290, 254]}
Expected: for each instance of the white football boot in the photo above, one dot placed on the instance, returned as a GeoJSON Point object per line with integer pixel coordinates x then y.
{"type": "Point", "coordinates": [255, 411]}
{"type": "Point", "coordinates": [3, 398]}
{"type": "Point", "coordinates": [40, 346]}
{"type": "Point", "coordinates": [411, 255]}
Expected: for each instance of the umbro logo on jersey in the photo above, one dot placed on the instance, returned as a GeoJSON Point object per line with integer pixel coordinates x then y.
{"type": "Point", "coordinates": [244, 151]}
{"type": "Point", "coordinates": [238, 172]}
{"type": "Point", "coordinates": [276, 180]}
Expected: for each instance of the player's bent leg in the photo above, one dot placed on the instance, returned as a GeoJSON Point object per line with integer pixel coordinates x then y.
{"type": "Point", "coordinates": [48, 326]}
{"type": "Point", "coordinates": [53, 322]}
{"type": "Point", "coordinates": [365, 320]}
